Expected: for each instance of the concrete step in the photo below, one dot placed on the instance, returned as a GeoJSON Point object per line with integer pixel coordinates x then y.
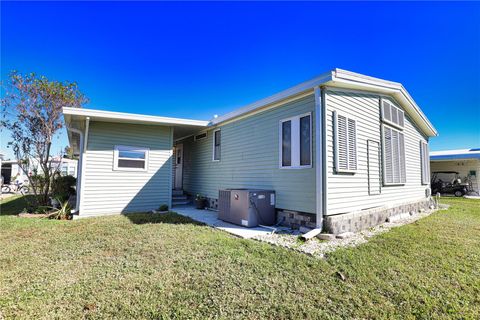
{"type": "Point", "coordinates": [182, 197]}
{"type": "Point", "coordinates": [177, 192]}
{"type": "Point", "coordinates": [180, 202]}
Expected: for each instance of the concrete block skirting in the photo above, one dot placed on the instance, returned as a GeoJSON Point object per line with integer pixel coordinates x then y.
{"type": "Point", "coordinates": [361, 220]}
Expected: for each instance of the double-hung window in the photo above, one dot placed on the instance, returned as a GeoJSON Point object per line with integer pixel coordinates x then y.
{"type": "Point", "coordinates": [217, 142]}
{"type": "Point", "coordinates": [393, 144]}
{"type": "Point", "coordinates": [296, 142]}
{"type": "Point", "coordinates": [425, 162]}
{"type": "Point", "coordinates": [345, 149]}
{"type": "Point", "coordinates": [130, 158]}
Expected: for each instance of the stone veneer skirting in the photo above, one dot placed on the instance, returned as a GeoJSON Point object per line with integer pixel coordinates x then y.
{"type": "Point", "coordinates": [347, 222]}
{"type": "Point", "coordinates": [295, 220]}
{"type": "Point", "coordinates": [361, 220]}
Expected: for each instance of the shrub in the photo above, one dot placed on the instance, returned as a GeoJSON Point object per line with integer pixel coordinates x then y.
{"type": "Point", "coordinates": [62, 187]}
{"type": "Point", "coordinates": [163, 207]}
{"type": "Point", "coordinates": [63, 213]}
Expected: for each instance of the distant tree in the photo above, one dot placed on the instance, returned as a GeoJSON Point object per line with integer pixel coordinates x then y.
{"type": "Point", "coordinates": [32, 112]}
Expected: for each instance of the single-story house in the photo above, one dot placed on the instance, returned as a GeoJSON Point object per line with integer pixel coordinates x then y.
{"type": "Point", "coordinates": [11, 171]}
{"type": "Point", "coordinates": [464, 161]}
{"type": "Point", "coordinates": [342, 151]}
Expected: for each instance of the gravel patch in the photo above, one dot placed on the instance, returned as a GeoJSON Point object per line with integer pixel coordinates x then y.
{"type": "Point", "coordinates": [289, 238]}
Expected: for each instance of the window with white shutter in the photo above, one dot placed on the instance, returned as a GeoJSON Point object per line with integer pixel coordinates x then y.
{"type": "Point", "coordinates": [392, 115]}
{"type": "Point", "coordinates": [393, 156]}
{"type": "Point", "coordinates": [425, 162]}
{"type": "Point", "coordinates": [345, 143]}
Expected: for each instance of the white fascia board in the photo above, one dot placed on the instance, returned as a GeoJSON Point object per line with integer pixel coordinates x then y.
{"type": "Point", "coordinates": [343, 78]}
{"type": "Point", "coordinates": [453, 152]}
{"type": "Point", "coordinates": [101, 115]}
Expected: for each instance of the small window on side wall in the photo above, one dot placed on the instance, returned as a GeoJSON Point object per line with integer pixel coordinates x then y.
{"type": "Point", "coordinates": [217, 142]}
{"type": "Point", "coordinates": [345, 149]}
{"type": "Point", "coordinates": [296, 142]}
{"type": "Point", "coordinates": [130, 158]}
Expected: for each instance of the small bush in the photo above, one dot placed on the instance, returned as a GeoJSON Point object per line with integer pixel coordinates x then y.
{"type": "Point", "coordinates": [62, 187]}
{"type": "Point", "coordinates": [163, 207]}
{"type": "Point", "coordinates": [63, 213]}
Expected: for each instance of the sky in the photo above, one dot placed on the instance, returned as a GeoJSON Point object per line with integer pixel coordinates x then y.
{"type": "Point", "coordinates": [195, 60]}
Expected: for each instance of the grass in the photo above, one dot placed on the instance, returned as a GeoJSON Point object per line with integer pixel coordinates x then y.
{"type": "Point", "coordinates": [168, 266]}
{"type": "Point", "coordinates": [14, 204]}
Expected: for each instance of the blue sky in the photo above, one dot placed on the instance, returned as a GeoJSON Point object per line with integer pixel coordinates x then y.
{"type": "Point", "coordinates": [195, 60]}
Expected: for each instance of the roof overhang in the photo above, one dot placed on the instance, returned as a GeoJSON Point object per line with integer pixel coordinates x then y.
{"type": "Point", "coordinates": [121, 117]}
{"type": "Point", "coordinates": [182, 127]}
{"type": "Point", "coordinates": [339, 78]}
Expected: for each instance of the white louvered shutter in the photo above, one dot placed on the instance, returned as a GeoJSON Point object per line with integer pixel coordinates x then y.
{"type": "Point", "coordinates": [388, 160]}
{"type": "Point", "coordinates": [386, 112]}
{"type": "Point", "coordinates": [425, 161]}
{"type": "Point", "coordinates": [342, 143]}
{"type": "Point", "coordinates": [345, 143]}
{"type": "Point", "coordinates": [352, 145]}
{"type": "Point", "coordinates": [395, 157]}
{"type": "Point", "coordinates": [392, 114]}
{"type": "Point", "coordinates": [401, 150]}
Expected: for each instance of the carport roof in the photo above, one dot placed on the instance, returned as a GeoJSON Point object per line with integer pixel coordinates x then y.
{"type": "Point", "coordinates": [459, 154]}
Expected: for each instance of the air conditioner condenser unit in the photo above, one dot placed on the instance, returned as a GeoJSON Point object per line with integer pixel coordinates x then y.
{"type": "Point", "coordinates": [247, 207]}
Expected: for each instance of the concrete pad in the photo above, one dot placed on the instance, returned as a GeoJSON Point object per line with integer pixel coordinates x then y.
{"type": "Point", "coordinates": [326, 236]}
{"type": "Point", "coordinates": [211, 218]}
{"type": "Point", "coordinates": [345, 235]}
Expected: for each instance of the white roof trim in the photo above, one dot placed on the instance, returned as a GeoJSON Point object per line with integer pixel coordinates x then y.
{"type": "Point", "coordinates": [454, 152]}
{"type": "Point", "coordinates": [295, 90]}
{"type": "Point", "coordinates": [342, 79]}
{"type": "Point", "coordinates": [100, 115]}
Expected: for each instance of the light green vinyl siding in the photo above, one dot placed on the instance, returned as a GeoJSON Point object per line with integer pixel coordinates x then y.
{"type": "Point", "coordinates": [349, 192]}
{"type": "Point", "coordinates": [107, 191]}
{"type": "Point", "coordinates": [250, 159]}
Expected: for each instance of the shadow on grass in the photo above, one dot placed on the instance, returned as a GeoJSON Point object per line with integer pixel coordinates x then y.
{"type": "Point", "coordinates": [170, 217]}
{"type": "Point", "coordinates": [15, 204]}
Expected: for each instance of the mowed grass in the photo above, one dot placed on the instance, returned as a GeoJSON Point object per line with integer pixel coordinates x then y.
{"type": "Point", "coordinates": [168, 266]}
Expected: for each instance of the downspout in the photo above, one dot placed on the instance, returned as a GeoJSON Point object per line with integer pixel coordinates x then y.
{"type": "Point", "coordinates": [79, 170]}
{"type": "Point", "coordinates": [81, 165]}
{"type": "Point", "coordinates": [319, 157]}
{"type": "Point", "coordinates": [324, 153]}
{"type": "Point", "coordinates": [84, 152]}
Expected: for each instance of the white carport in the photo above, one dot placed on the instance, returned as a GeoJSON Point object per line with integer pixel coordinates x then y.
{"type": "Point", "coordinates": [464, 161]}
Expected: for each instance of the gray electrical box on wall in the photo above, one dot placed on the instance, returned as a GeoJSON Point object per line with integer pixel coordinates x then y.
{"type": "Point", "coordinates": [247, 207]}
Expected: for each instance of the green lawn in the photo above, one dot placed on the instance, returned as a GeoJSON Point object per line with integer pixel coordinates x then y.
{"type": "Point", "coordinates": [167, 266]}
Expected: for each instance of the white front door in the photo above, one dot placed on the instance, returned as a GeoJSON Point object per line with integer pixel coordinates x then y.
{"type": "Point", "coordinates": [179, 166]}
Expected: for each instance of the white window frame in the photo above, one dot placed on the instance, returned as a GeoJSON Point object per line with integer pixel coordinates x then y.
{"type": "Point", "coordinates": [213, 146]}
{"type": "Point", "coordinates": [384, 162]}
{"type": "Point", "coordinates": [424, 163]}
{"type": "Point", "coordinates": [129, 148]}
{"type": "Point", "coordinates": [335, 135]}
{"type": "Point", "coordinates": [391, 123]}
{"type": "Point", "coordinates": [200, 139]}
{"type": "Point", "coordinates": [295, 142]}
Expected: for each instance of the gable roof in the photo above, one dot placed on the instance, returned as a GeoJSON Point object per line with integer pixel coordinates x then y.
{"type": "Point", "coordinates": [339, 78]}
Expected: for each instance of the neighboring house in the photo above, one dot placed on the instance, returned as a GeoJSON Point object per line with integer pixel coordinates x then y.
{"type": "Point", "coordinates": [342, 151]}
{"type": "Point", "coordinates": [11, 171]}
{"type": "Point", "coordinates": [464, 161]}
